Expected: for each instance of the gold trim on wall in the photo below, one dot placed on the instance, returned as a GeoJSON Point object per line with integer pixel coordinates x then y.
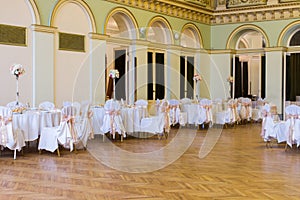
{"type": "Point", "coordinates": [41, 28]}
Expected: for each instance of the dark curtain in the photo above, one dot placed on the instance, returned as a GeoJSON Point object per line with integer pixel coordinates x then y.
{"type": "Point", "coordinates": [120, 65]}
{"type": "Point", "coordinates": [135, 78]}
{"type": "Point", "coordinates": [263, 77]}
{"type": "Point", "coordinates": [231, 74]}
{"type": "Point", "coordinates": [190, 76]}
{"type": "Point", "coordinates": [237, 78]}
{"type": "Point", "coordinates": [160, 76]}
{"type": "Point", "coordinates": [182, 77]}
{"type": "Point", "coordinates": [241, 79]}
{"type": "Point", "coordinates": [293, 77]}
{"type": "Point", "coordinates": [150, 76]}
{"type": "Point", "coordinates": [109, 90]}
{"type": "Point", "coordinates": [245, 79]}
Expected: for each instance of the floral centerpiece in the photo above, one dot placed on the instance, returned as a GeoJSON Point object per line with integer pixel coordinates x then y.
{"type": "Point", "coordinates": [17, 70]}
{"type": "Point", "coordinates": [197, 77]}
{"type": "Point", "coordinates": [114, 73]}
{"type": "Point", "coordinates": [230, 79]}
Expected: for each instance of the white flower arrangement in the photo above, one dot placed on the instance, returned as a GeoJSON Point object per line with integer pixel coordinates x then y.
{"type": "Point", "coordinates": [197, 77]}
{"type": "Point", "coordinates": [230, 79]}
{"type": "Point", "coordinates": [114, 73]}
{"type": "Point", "coordinates": [17, 70]}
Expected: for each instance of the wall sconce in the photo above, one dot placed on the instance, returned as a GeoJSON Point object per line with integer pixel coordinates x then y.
{"type": "Point", "coordinates": [176, 36]}
{"type": "Point", "coordinates": [142, 31]}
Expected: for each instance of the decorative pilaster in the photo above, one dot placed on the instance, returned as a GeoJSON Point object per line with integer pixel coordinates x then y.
{"type": "Point", "coordinates": [43, 63]}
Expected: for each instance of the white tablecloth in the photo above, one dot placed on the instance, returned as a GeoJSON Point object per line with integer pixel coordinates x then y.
{"type": "Point", "coordinates": [131, 119]}
{"type": "Point", "coordinates": [195, 113]}
{"type": "Point", "coordinates": [31, 122]}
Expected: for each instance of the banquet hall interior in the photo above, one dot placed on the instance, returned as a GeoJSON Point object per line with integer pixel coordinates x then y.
{"type": "Point", "coordinates": [150, 99]}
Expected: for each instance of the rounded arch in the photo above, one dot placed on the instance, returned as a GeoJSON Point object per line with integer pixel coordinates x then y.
{"type": "Point", "coordinates": [287, 33]}
{"type": "Point", "coordinates": [238, 32]}
{"type": "Point", "coordinates": [193, 32]}
{"type": "Point", "coordinates": [126, 22]}
{"type": "Point", "coordinates": [82, 5]}
{"type": "Point", "coordinates": [34, 12]}
{"type": "Point", "coordinates": [159, 26]}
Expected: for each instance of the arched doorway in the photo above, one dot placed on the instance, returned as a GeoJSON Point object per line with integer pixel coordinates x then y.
{"type": "Point", "coordinates": [120, 27]}
{"type": "Point", "coordinates": [189, 39]}
{"type": "Point", "coordinates": [248, 67]}
{"type": "Point", "coordinates": [292, 74]}
{"type": "Point", "coordinates": [158, 33]}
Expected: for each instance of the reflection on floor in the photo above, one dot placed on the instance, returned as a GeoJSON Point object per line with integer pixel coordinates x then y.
{"type": "Point", "coordinates": [238, 166]}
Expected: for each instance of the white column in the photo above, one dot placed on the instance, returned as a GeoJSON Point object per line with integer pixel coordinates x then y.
{"type": "Point", "coordinates": [197, 71]}
{"type": "Point", "coordinates": [131, 74]}
{"type": "Point", "coordinates": [168, 65]}
{"type": "Point", "coordinates": [173, 73]}
{"type": "Point", "coordinates": [43, 64]}
{"type": "Point", "coordinates": [142, 69]}
{"type": "Point", "coordinates": [274, 64]}
{"type": "Point", "coordinates": [97, 68]}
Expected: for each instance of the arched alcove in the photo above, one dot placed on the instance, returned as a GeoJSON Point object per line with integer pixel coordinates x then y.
{"type": "Point", "coordinates": [159, 31]}
{"type": "Point", "coordinates": [72, 73]}
{"type": "Point", "coordinates": [248, 67]}
{"type": "Point", "coordinates": [292, 69]}
{"type": "Point", "coordinates": [121, 27]}
{"type": "Point", "coordinates": [191, 37]}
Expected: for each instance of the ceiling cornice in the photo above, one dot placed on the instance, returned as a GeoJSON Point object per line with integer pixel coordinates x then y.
{"type": "Point", "coordinates": [202, 11]}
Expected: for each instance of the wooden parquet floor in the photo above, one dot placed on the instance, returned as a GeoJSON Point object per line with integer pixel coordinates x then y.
{"type": "Point", "coordinates": [239, 166]}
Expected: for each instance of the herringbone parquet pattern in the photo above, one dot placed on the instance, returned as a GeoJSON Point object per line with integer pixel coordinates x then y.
{"type": "Point", "coordinates": [238, 167]}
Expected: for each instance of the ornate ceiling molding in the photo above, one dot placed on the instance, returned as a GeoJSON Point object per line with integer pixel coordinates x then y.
{"type": "Point", "coordinates": [203, 11]}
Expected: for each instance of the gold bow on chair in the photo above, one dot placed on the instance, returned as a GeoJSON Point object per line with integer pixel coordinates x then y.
{"type": "Point", "coordinates": [112, 114]}
{"type": "Point", "coordinates": [3, 130]}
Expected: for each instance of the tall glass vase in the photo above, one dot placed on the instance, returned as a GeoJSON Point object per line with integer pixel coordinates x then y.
{"type": "Point", "coordinates": [17, 93]}
{"type": "Point", "coordinates": [114, 88]}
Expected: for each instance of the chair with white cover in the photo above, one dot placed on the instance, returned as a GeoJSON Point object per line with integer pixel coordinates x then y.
{"type": "Point", "coordinates": [164, 110]}
{"type": "Point", "coordinates": [207, 105]}
{"type": "Point", "coordinates": [268, 125]}
{"type": "Point", "coordinates": [112, 121]}
{"type": "Point", "coordinates": [46, 105]}
{"type": "Point", "coordinates": [185, 101]}
{"type": "Point", "coordinates": [174, 111]}
{"type": "Point", "coordinates": [246, 109]}
{"type": "Point", "coordinates": [77, 107]}
{"type": "Point", "coordinates": [233, 116]}
{"type": "Point", "coordinates": [140, 112]}
{"type": "Point", "coordinates": [66, 134]}
{"type": "Point", "coordinates": [85, 125]}
{"type": "Point", "coordinates": [220, 115]}
{"type": "Point", "coordinates": [292, 126]}
{"type": "Point", "coordinates": [13, 140]}
{"type": "Point", "coordinates": [160, 124]}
